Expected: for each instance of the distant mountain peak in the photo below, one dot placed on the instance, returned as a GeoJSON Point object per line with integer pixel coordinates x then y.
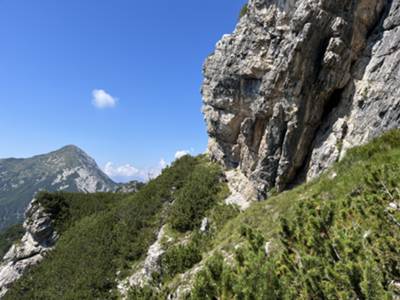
{"type": "Point", "coordinates": [67, 169]}
{"type": "Point", "coordinates": [70, 148]}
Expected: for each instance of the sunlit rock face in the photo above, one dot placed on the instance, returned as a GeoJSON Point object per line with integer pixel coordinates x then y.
{"type": "Point", "coordinates": [40, 238]}
{"type": "Point", "coordinates": [300, 82]}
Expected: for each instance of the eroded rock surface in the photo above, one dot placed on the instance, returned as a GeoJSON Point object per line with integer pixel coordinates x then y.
{"type": "Point", "coordinates": [39, 238]}
{"type": "Point", "coordinates": [151, 265]}
{"type": "Point", "coordinates": [300, 82]}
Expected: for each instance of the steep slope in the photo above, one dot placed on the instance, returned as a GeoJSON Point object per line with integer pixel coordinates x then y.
{"type": "Point", "coordinates": [104, 237]}
{"type": "Point", "coordinates": [286, 95]}
{"type": "Point", "coordinates": [336, 237]}
{"type": "Point", "coordinates": [68, 169]}
{"type": "Point", "coordinates": [299, 83]}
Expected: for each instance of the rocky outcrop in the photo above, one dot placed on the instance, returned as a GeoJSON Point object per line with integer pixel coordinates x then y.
{"type": "Point", "coordinates": [300, 82]}
{"type": "Point", "coordinates": [242, 190]}
{"type": "Point", "coordinates": [151, 265]}
{"type": "Point", "coordinates": [129, 187]}
{"type": "Point", "coordinates": [39, 238]}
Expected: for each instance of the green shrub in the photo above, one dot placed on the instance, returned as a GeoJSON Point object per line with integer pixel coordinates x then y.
{"type": "Point", "coordinates": [100, 235]}
{"type": "Point", "coordinates": [198, 194]}
{"type": "Point", "coordinates": [222, 213]}
{"type": "Point", "coordinates": [180, 258]}
{"type": "Point", "coordinates": [144, 293]}
{"type": "Point", "coordinates": [67, 208]}
{"type": "Point", "coordinates": [9, 236]}
{"type": "Point", "coordinates": [343, 249]}
{"type": "Point", "coordinates": [244, 10]}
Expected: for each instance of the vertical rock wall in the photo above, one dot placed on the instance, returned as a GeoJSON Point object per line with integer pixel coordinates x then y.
{"type": "Point", "coordinates": [298, 83]}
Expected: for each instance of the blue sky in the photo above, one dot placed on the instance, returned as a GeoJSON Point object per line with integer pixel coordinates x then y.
{"type": "Point", "coordinates": [57, 56]}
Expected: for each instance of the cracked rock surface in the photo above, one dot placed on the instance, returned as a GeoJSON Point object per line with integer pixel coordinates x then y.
{"type": "Point", "coordinates": [300, 82]}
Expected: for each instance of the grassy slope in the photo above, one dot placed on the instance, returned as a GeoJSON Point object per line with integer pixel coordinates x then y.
{"type": "Point", "coordinates": [340, 181]}
{"type": "Point", "coordinates": [333, 238]}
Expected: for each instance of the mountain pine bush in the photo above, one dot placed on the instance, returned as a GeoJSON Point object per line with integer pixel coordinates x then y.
{"type": "Point", "coordinates": [341, 241]}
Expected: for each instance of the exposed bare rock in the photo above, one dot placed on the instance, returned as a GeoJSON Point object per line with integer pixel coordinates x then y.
{"type": "Point", "coordinates": [395, 286]}
{"type": "Point", "coordinates": [39, 238]}
{"type": "Point", "coordinates": [369, 104]}
{"type": "Point", "coordinates": [205, 225]}
{"type": "Point", "coordinates": [242, 191]}
{"type": "Point", "coordinates": [300, 82]}
{"type": "Point", "coordinates": [129, 187]}
{"type": "Point", "coordinates": [150, 266]}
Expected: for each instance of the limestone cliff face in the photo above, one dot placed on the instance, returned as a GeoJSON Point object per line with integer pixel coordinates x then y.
{"type": "Point", "coordinates": [300, 82]}
{"type": "Point", "coordinates": [39, 238]}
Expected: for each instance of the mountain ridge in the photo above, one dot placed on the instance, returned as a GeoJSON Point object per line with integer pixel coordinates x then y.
{"type": "Point", "coordinates": [288, 97]}
{"type": "Point", "coordinates": [68, 169]}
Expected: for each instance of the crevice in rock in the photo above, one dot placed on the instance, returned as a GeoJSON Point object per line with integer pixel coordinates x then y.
{"type": "Point", "coordinates": [260, 125]}
{"type": "Point", "coordinates": [332, 103]}
{"type": "Point", "coordinates": [323, 93]}
{"type": "Point", "coordinates": [329, 108]}
{"type": "Point", "coordinates": [380, 20]}
{"type": "Point", "coordinates": [249, 87]}
{"type": "Point", "coordinates": [320, 57]}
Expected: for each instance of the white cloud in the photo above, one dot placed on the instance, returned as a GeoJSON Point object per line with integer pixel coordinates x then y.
{"type": "Point", "coordinates": [126, 170]}
{"type": "Point", "coordinates": [101, 99]}
{"type": "Point", "coordinates": [163, 163]}
{"type": "Point", "coordinates": [154, 172]}
{"type": "Point", "coordinates": [181, 153]}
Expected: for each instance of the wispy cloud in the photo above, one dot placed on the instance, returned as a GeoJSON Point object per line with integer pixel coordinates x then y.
{"type": "Point", "coordinates": [181, 153]}
{"type": "Point", "coordinates": [163, 163]}
{"type": "Point", "coordinates": [127, 172]}
{"type": "Point", "coordinates": [101, 99]}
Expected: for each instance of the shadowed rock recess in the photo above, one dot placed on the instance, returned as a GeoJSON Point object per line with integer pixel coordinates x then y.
{"type": "Point", "coordinates": [300, 82]}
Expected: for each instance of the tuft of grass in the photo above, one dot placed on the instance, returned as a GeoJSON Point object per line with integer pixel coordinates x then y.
{"type": "Point", "coordinates": [244, 10]}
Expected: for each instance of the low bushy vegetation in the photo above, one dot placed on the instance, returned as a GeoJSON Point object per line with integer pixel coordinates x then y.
{"type": "Point", "coordinates": [339, 240]}
{"type": "Point", "coordinates": [337, 237]}
{"type": "Point", "coordinates": [101, 234]}
{"type": "Point", "coordinates": [67, 208]}
{"type": "Point", "coordinates": [180, 258]}
{"type": "Point", "coordinates": [9, 236]}
{"type": "Point", "coordinates": [197, 196]}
